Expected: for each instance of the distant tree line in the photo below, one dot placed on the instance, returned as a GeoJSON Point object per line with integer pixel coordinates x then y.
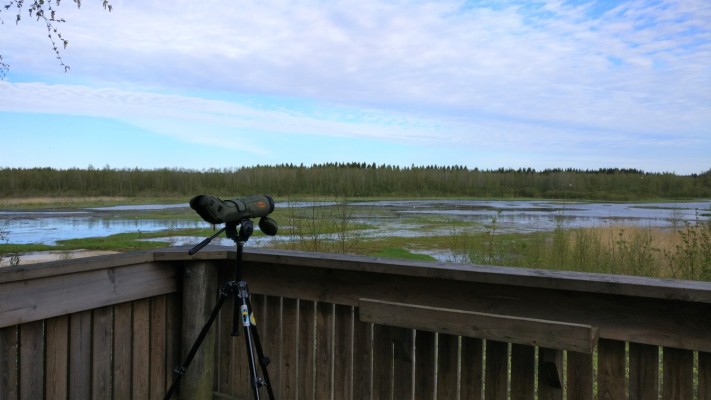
{"type": "Point", "coordinates": [356, 180]}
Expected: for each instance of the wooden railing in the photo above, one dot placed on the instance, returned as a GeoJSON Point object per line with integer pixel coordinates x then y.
{"type": "Point", "coordinates": [345, 327]}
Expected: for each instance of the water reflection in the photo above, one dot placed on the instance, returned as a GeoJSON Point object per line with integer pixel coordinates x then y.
{"type": "Point", "coordinates": [405, 218]}
{"type": "Point", "coordinates": [50, 230]}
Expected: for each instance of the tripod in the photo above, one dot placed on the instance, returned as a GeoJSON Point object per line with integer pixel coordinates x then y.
{"type": "Point", "coordinates": [242, 312]}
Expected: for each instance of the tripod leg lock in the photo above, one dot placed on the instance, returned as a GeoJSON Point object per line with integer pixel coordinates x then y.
{"type": "Point", "coordinates": [179, 371]}
{"type": "Point", "coordinates": [264, 361]}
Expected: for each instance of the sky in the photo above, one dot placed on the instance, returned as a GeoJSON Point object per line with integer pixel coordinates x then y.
{"type": "Point", "coordinates": [482, 84]}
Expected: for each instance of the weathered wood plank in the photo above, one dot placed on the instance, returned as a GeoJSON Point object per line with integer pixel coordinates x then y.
{"type": "Point", "coordinates": [324, 361]}
{"type": "Point", "coordinates": [72, 266]}
{"type": "Point", "coordinates": [140, 369]}
{"type": "Point", "coordinates": [695, 291]}
{"type": "Point", "coordinates": [32, 360]}
{"type": "Point", "coordinates": [343, 353]}
{"type": "Point", "coordinates": [289, 372]}
{"type": "Point", "coordinates": [9, 376]}
{"type": "Point", "coordinates": [80, 355]}
{"type": "Point", "coordinates": [382, 362]}
{"type": "Point", "coordinates": [57, 358]}
{"type": "Point", "coordinates": [425, 365]}
{"type": "Point", "coordinates": [447, 366]}
{"type": "Point", "coordinates": [611, 370]}
{"type": "Point", "coordinates": [306, 349]}
{"type": "Point", "coordinates": [199, 299]}
{"type": "Point", "coordinates": [158, 349]}
{"type": "Point", "coordinates": [550, 374]}
{"type": "Point", "coordinates": [704, 376]}
{"type": "Point", "coordinates": [580, 376]}
{"type": "Point", "coordinates": [403, 362]}
{"type": "Point", "coordinates": [50, 296]}
{"type": "Point", "coordinates": [472, 369]}
{"type": "Point", "coordinates": [526, 331]}
{"type": "Point", "coordinates": [173, 318]}
{"type": "Point", "coordinates": [362, 359]}
{"type": "Point", "coordinates": [496, 378]}
{"type": "Point", "coordinates": [644, 371]}
{"type": "Point", "coordinates": [656, 321]}
{"type": "Point", "coordinates": [123, 344]}
{"type": "Point", "coordinates": [102, 352]}
{"type": "Point", "coordinates": [231, 376]}
{"type": "Point", "coordinates": [271, 331]}
{"type": "Point", "coordinates": [523, 376]}
{"type": "Point", "coordinates": [678, 374]}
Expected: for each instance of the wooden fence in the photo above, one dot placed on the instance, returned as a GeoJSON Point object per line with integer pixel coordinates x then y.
{"type": "Point", "coordinates": [345, 327]}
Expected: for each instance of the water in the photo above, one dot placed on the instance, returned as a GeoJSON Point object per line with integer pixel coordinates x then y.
{"type": "Point", "coordinates": [401, 218]}
{"type": "Point", "coordinates": [536, 215]}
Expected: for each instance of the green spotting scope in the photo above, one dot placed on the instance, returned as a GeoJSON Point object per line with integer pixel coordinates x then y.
{"type": "Point", "coordinates": [217, 211]}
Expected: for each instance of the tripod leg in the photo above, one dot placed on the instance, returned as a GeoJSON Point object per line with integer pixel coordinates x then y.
{"type": "Point", "coordinates": [180, 371]}
{"type": "Point", "coordinates": [263, 360]}
{"type": "Point", "coordinates": [247, 324]}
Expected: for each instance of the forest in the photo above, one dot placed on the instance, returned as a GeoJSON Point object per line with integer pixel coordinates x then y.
{"type": "Point", "coordinates": [356, 180]}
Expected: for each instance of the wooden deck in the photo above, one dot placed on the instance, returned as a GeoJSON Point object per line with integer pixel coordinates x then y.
{"type": "Point", "coordinates": [345, 327]}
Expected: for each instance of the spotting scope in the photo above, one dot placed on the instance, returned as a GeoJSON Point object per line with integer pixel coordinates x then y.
{"type": "Point", "coordinates": [217, 211]}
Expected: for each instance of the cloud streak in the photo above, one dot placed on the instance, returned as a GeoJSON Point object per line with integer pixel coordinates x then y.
{"type": "Point", "coordinates": [529, 74]}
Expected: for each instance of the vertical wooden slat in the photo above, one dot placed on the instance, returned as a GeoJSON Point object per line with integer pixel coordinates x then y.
{"type": "Point", "coordinates": [472, 369]}
{"type": "Point", "coordinates": [550, 374]}
{"type": "Point", "coordinates": [123, 350]}
{"type": "Point", "coordinates": [158, 347]}
{"type": "Point", "coordinates": [172, 354]}
{"type": "Point", "coordinates": [704, 376]}
{"type": "Point", "coordinates": [425, 363]}
{"type": "Point", "coordinates": [644, 372]}
{"type": "Point", "coordinates": [9, 343]}
{"type": "Point", "coordinates": [324, 350]}
{"type": "Point", "coordinates": [343, 353]}
{"type": "Point", "coordinates": [306, 349]}
{"type": "Point", "coordinates": [141, 349]}
{"type": "Point", "coordinates": [611, 369]}
{"type": "Point", "coordinates": [230, 377]}
{"type": "Point", "coordinates": [447, 366]}
{"type": "Point", "coordinates": [580, 376]}
{"type": "Point", "coordinates": [289, 377]}
{"type": "Point", "coordinates": [523, 362]}
{"type": "Point", "coordinates": [678, 374]}
{"type": "Point", "coordinates": [57, 358]}
{"type": "Point", "coordinates": [199, 295]}
{"type": "Point", "coordinates": [403, 362]}
{"type": "Point", "coordinates": [382, 362]}
{"type": "Point", "coordinates": [362, 357]}
{"type": "Point", "coordinates": [102, 352]}
{"type": "Point", "coordinates": [497, 355]}
{"type": "Point", "coordinates": [80, 355]}
{"type": "Point", "coordinates": [271, 331]}
{"type": "Point", "coordinates": [32, 360]}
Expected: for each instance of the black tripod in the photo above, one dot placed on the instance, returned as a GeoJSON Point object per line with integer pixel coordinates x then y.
{"type": "Point", "coordinates": [242, 311]}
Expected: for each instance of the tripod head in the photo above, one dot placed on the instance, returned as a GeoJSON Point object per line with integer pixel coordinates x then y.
{"type": "Point", "coordinates": [235, 213]}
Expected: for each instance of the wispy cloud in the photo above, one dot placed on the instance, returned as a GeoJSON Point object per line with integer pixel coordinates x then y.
{"type": "Point", "coordinates": [633, 73]}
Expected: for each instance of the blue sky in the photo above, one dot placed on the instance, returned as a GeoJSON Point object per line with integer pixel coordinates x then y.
{"type": "Point", "coordinates": [486, 84]}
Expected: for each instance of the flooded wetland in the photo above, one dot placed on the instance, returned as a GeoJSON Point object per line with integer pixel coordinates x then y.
{"type": "Point", "coordinates": [380, 218]}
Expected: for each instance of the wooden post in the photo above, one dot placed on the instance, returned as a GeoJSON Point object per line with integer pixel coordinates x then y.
{"type": "Point", "coordinates": [199, 298]}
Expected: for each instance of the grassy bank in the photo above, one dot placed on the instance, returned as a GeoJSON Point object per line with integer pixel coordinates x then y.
{"type": "Point", "coordinates": [683, 252]}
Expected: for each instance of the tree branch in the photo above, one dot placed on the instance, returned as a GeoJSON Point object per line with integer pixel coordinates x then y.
{"type": "Point", "coordinates": [43, 11]}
